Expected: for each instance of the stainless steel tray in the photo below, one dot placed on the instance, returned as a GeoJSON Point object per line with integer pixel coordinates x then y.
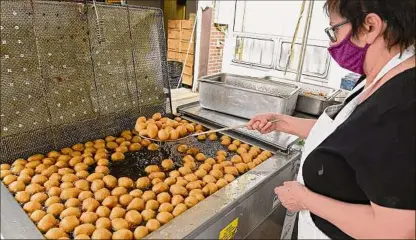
{"type": "Point", "coordinates": [313, 99]}
{"type": "Point", "coordinates": [245, 97]}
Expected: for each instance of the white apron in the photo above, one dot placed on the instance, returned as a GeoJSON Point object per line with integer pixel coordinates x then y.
{"type": "Point", "coordinates": [324, 126]}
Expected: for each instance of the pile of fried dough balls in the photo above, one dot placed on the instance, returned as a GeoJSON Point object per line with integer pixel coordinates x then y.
{"type": "Point", "coordinates": [64, 199]}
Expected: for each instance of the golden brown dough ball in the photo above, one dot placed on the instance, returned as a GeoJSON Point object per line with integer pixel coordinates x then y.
{"type": "Point", "coordinates": [123, 149]}
{"type": "Point", "coordinates": [188, 158]}
{"type": "Point", "coordinates": [181, 182]}
{"type": "Point", "coordinates": [241, 167]}
{"type": "Point", "coordinates": [231, 170]}
{"type": "Point", "coordinates": [221, 183]}
{"type": "Point", "coordinates": [101, 233]}
{"type": "Point", "coordinates": [66, 185]}
{"type": "Point", "coordinates": [241, 150]}
{"type": "Point", "coordinates": [136, 193]}
{"type": "Point", "coordinates": [170, 181]}
{"type": "Point", "coordinates": [191, 201]}
{"type": "Point", "coordinates": [55, 233]}
{"type": "Point", "coordinates": [190, 128]}
{"type": "Point", "coordinates": [200, 157]}
{"type": "Point", "coordinates": [177, 199]}
{"type": "Point", "coordinates": [156, 181]}
{"type": "Point", "coordinates": [221, 158]}
{"type": "Point", "coordinates": [22, 197]}
{"type": "Point", "coordinates": [164, 217]}
{"type": "Point", "coordinates": [4, 166]}
{"type": "Point", "coordinates": [123, 234]}
{"type": "Point", "coordinates": [15, 170]}
{"type": "Point", "coordinates": [110, 181]}
{"type": "Point", "coordinates": [53, 154]}
{"type": "Point", "coordinates": [90, 204]}
{"type": "Point", "coordinates": [86, 228]}
{"type": "Point", "coordinates": [37, 157]}
{"type": "Point", "coordinates": [133, 217]}
{"type": "Point", "coordinates": [37, 215]}
{"type": "Point", "coordinates": [117, 156]}
{"type": "Point", "coordinates": [17, 186]}
{"type": "Point", "coordinates": [216, 173]}
{"type": "Point", "coordinates": [97, 185]}
{"type": "Point", "coordinates": [193, 185]}
{"type": "Point", "coordinates": [103, 222]}
{"type": "Point", "coordinates": [110, 139]}
{"type": "Point", "coordinates": [229, 177]}
{"type": "Point", "coordinates": [202, 137]}
{"type": "Point", "coordinates": [210, 188]}
{"type": "Point", "coordinates": [41, 167]}
{"type": "Point", "coordinates": [200, 173]}
{"type": "Point", "coordinates": [182, 148]}
{"type": "Point", "coordinates": [72, 202]}
{"type": "Point", "coordinates": [140, 232]}
{"type": "Point", "coordinates": [185, 170]}
{"type": "Point", "coordinates": [47, 222]}
{"type": "Point", "coordinates": [10, 178]}
{"type": "Point", "coordinates": [190, 177]}
{"type": "Point", "coordinates": [136, 204]}
{"type": "Point", "coordinates": [82, 237]}
{"type": "Point", "coordinates": [55, 209]}
{"type": "Point", "coordinates": [90, 161]}
{"type": "Point", "coordinates": [210, 161]}
{"type": "Point", "coordinates": [118, 191]}
{"type": "Point", "coordinates": [75, 160]}
{"type": "Point", "coordinates": [205, 166]}
{"type": "Point", "coordinates": [33, 164]}
{"type": "Point", "coordinates": [84, 195]}
{"type": "Point", "coordinates": [178, 190]}
{"type": "Point", "coordinates": [160, 175]}
{"type": "Point", "coordinates": [236, 159]}
{"type": "Point", "coordinates": [102, 169]}
{"type": "Point", "coordinates": [71, 211]}
{"type": "Point", "coordinates": [95, 176]}
{"type": "Point", "coordinates": [212, 137]}
{"type": "Point", "coordinates": [136, 139]}
{"type": "Point", "coordinates": [151, 169]}
{"type": "Point", "coordinates": [167, 164]}
{"type": "Point", "coordinates": [163, 134]}
{"type": "Point", "coordinates": [145, 143]}
{"type": "Point", "coordinates": [226, 163]}
{"type": "Point", "coordinates": [69, 223]}
{"type": "Point", "coordinates": [39, 197]}
{"type": "Point", "coordinates": [119, 223]}
{"type": "Point", "coordinates": [32, 188]}
{"type": "Point", "coordinates": [82, 184]}
{"type": "Point", "coordinates": [163, 197]}
{"type": "Point", "coordinates": [174, 173]}
{"type": "Point", "coordinates": [125, 182]}
{"type": "Point", "coordinates": [166, 207]}
{"type": "Point", "coordinates": [100, 155]}
{"type": "Point", "coordinates": [80, 167]}
{"type": "Point", "coordinates": [143, 182]}
{"type": "Point", "coordinates": [152, 204]}
{"type": "Point", "coordinates": [110, 201]}
{"type": "Point", "coordinates": [152, 225]}
{"type": "Point", "coordinates": [157, 116]}
{"type": "Point", "coordinates": [111, 145]}
{"type": "Point", "coordinates": [117, 212]}
{"type": "Point", "coordinates": [31, 172]}
{"type": "Point", "coordinates": [257, 161]}
{"type": "Point", "coordinates": [125, 199]}
{"type": "Point", "coordinates": [232, 147]}
{"type": "Point", "coordinates": [103, 211]}
{"type": "Point", "coordinates": [134, 147]}
{"type": "Point", "coordinates": [209, 179]}
{"type": "Point", "coordinates": [153, 147]}
{"type": "Point", "coordinates": [179, 209]}
{"type": "Point", "coordinates": [160, 187]}
{"type": "Point", "coordinates": [152, 130]}
{"type": "Point", "coordinates": [182, 131]}
{"type": "Point", "coordinates": [225, 142]}
{"type": "Point", "coordinates": [173, 134]}
{"type": "Point", "coordinates": [148, 195]}
{"type": "Point", "coordinates": [88, 217]}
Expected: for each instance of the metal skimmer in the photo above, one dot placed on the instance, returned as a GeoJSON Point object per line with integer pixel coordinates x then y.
{"type": "Point", "coordinates": [61, 85]}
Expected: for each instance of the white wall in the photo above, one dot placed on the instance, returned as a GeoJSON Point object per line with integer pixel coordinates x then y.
{"type": "Point", "coordinates": [276, 18]}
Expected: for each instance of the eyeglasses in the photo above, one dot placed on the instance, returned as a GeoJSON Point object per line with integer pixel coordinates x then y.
{"type": "Point", "coordinates": [330, 31]}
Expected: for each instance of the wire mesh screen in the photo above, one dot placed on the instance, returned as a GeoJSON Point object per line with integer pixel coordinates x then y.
{"type": "Point", "coordinates": [61, 84]}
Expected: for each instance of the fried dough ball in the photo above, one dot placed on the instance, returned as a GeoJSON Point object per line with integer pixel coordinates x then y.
{"type": "Point", "coordinates": [170, 181]}
{"type": "Point", "coordinates": [200, 157]}
{"type": "Point", "coordinates": [226, 164]}
{"type": "Point", "coordinates": [123, 234]}
{"type": "Point", "coordinates": [221, 183]}
{"type": "Point", "coordinates": [69, 223]}
{"type": "Point", "coordinates": [55, 233]}
{"type": "Point", "coordinates": [72, 202]}
{"type": "Point", "coordinates": [177, 199]}
{"type": "Point", "coordinates": [140, 232]}
{"type": "Point", "coordinates": [32, 188]}
{"type": "Point", "coordinates": [176, 189]}
{"type": "Point", "coordinates": [209, 179]}
{"type": "Point", "coordinates": [110, 201]}
{"type": "Point", "coordinates": [134, 147]}
{"type": "Point", "coordinates": [145, 142]}
{"type": "Point", "coordinates": [82, 174]}
{"type": "Point", "coordinates": [136, 204]}
{"type": "Point", "coordinates": [119, 223]}
{"type": "Point", "coordinates": [47, 222]}
{"type": "Point", "coordinates": [210, 188]}
{"type": "Point", "coordinates": [229, 177]}
{"type": "Point", "coordinates": [82, 237]}
{"type": "Point", "coordinates": [136, 193]}
{"type": "Point", "coordinates": [152, 204]}
{"type": "Point", "coordinates": [143, 182]}
{"type": "Point", "coordinates": [231, 170]}
{"type": "Point", "coordinates": [103, 211]}
{"type": "Point", "coordinates": [232, 147]}
{"type": "Point", "coordinates": [10, 178]}
{"type": "Point", "coordinates": [117, 212]}
{"type": "Point", "coordinates": [153, 147]}
{"type": "Point", "coordinates": [86, 228]}
{"type": "Point", "coordinates": [160, 175]}
{"type": "Point", "coordinates": [84, 195]}
{"type": "Point", "coordinates": [22, 197]}
{"type": "Point", "coordinates": [216, 173]}
{"type": "Point", "coordinates": [193, 185]}
{"type": "Point", "coordinates": [148, 195]}
{"type": "Point", "coordinates": [37, 157]}
{"type": "Point", "coordinates": [205, 166]}
{"type": "Point", "coordinates": [95, 176]}
{"type": "Point", "coordinates": [163, 134]}
{"type": "Point", "coordinates": [152, 168]}
{"type": "Point", "coordinates": [152, 130]}
{"type": "Point", "coordinates": [37, 215]}
{"type": "Point", "coordinates": [173, 134]}
{"type": "Point", "coordinates": [179, 209]}
{"type": "Point", "coordinates": [101, 233]}
{"type": "Point", "coordinates": [66, 185]}
{"type": "Point", "coordinates": [39, 197]}
{"type": "Point", "coordinates": [236, 159]}
{"type": "Point", "coordinates": [185, 170]}
{"type": "Point", "coordinates": [71, 211]}
{"type": "Point", "coordinates": [55, 209]}
{"type": "Point", "coordinates": [181, 181]}
{"type": "Point", "coordinates": [160, 187]}
{"type": "Point", "coordinates": [88, 217]}
{"type": "Point", "coordinates": [122, 149]}
{"type": "Point", "coordinates": [225, 142]}
{"type": "Point", "coordinates": [90, 161]}
{"type": "Point", "coordinates": [191, 201]}
{"type": "Point", "coordinates": [152, 225]}
{"type": "Point", "coordinates": [182, 148]}
{"type": "Point", "coordinates": [103, 222]}
{"type": "Point", "coordinates": [110, 181]}
{"type": "Point", "coordinates": [136, 139]}
{"type": "Point", "coordinates": [118, 191]}
{"type": "Point", "coordinates": [97, 185]}
{"type": "Point", "coordinates": [81, 167]}
{"type": "Point", "coordinates": [174, 174]}
{"type": "Point", "coordinates": [164, 217]}
{"type": "Point", "coordinates": [167, 164]}
{"type": "Point", "coordinates": [117, 156]}
{"type": "Point", "coordinates": [90, 204]}
{"type": "Point", "coordinates": [17, 186]}
{"type": "Point", "coordinates": [190, 177]}
{"type": "Point", "coordinates": [182, 131]}
{"type": "Point", "coordinates": [221, 158]}
{"type": "Point", "coordinates": [82, 184]}
{"type": "Point", "coordinates": [102, 169]}
{"type": "Point", "coordinates": [163, 197]}
{"type": "Point", "coordinates": [133, 217]}
{"type": "Point", "coordinates": [125, 182]}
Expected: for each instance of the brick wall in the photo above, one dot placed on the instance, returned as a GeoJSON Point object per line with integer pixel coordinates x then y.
{"type": "Point", "coordinates": [215, 50]}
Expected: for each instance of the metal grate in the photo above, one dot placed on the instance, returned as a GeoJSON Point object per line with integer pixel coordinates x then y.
{"type": "Point", "coordinates": [60, 86]}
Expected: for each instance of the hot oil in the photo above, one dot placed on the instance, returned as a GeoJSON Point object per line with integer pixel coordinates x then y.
{"type": "Point", "coordinates": [135, 162]}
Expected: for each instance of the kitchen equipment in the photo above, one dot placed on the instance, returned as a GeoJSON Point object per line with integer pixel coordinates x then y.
{"type": "Point", "coordinates": [245, 97]}
{"type": "Point", "coordinates": [312, 99]}
{"type": "Point", "coordinates": [206, 132]}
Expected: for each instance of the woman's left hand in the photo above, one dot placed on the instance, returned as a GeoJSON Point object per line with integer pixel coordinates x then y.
{"type": "Point", "coordinates": [292, 195]}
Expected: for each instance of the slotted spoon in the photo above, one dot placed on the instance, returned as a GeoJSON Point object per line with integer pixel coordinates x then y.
{"type": "Point", "coordinates": [206, 132]}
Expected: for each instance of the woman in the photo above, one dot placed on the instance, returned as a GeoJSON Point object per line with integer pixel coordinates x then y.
{"type": "Point", "coordinates": [357, 172]}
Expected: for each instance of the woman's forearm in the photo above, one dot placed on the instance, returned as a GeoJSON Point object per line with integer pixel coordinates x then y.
{"type": "Point", "coordinates": [299, 126]}
{"type": "Point", "coordinates": [356, 220]}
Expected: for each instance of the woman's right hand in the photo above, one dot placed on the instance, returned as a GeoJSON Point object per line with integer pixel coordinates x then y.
{"type": "Point", "coordinates": [261, 123]}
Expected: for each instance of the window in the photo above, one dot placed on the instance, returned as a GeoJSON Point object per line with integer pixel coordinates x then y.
{"type": "Point", "coordinates": [254, 51]}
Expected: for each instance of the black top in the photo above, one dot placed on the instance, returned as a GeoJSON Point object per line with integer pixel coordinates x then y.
{"type": "Point", "coordinates": [371, 156]}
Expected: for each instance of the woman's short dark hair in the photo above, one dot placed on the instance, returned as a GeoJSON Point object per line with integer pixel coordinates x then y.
{"type": "Point", "coordinates": [399, 15]}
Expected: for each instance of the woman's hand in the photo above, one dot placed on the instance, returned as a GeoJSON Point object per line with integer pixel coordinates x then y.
{"type": "Point", "coordinates": [262, 123]}
{"type": "Point", "coordinates": [292, 195]}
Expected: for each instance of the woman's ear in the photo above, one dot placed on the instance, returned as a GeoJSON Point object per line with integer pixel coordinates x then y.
{"type": "Point", "coordinates": [373, 27]}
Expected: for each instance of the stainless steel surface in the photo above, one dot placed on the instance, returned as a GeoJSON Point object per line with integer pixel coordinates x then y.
{"type": "Point", "coordinates": [280, 140]}
{"type": "Point", "coordinates": [15, 224]}
{"type": "Point", "coordinates": [245, 97]}
{"type": "Point", "coordinates": [249, 198]}
{"type": "Point", "coordinates": [304, 40]}
{"type": "Point", "coordinates": [57, 78]}
{"type": "Point", "coordinates": [312, 99]}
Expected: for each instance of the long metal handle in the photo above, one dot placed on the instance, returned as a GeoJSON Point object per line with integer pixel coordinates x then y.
{"type": "Point", "coordinates": [226, 129]}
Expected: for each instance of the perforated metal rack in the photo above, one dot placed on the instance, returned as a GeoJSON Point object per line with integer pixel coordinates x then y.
{"type": "Point", "coordinates": [60, 86]}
